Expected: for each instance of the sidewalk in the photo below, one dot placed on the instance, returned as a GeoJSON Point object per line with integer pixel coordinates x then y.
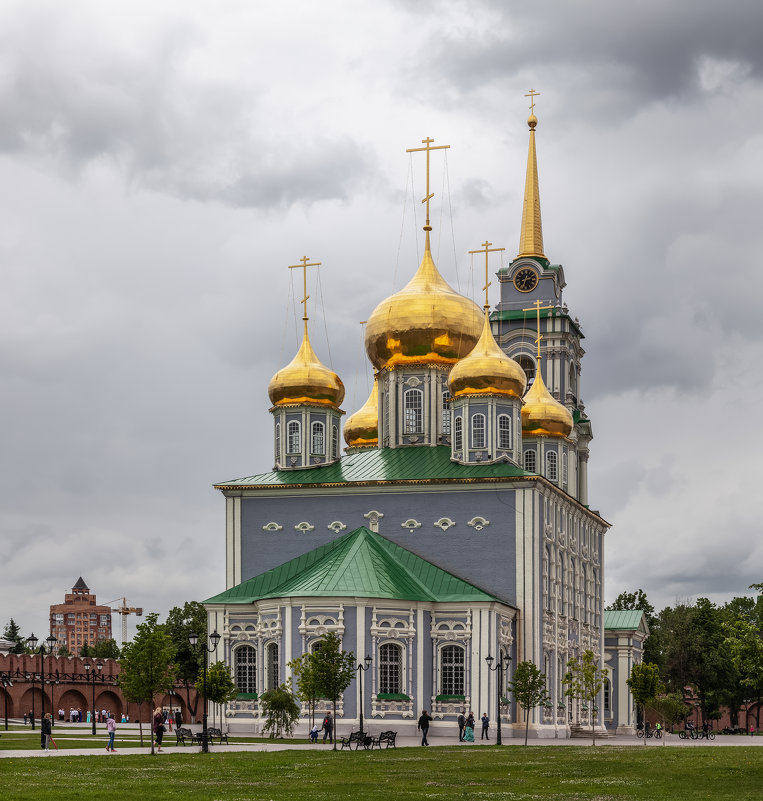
{"type": "Point", "coordinates": [672, 741]}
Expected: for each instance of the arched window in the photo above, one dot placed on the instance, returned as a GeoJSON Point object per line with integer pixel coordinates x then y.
{"type": "Point", "coordinates": [452, 670]}
{"type": "Point", "coordinates": [504, 431]}
{"type": "Point", "coordinates": [478, 431]}
{"type": "Point", "coordinates": [413, 403]}
{"type": "Point", "coordinates": [278, 440]}
{"type": "Point", "coordinates": [390, 668]}
{"type": "Point", "coordinates": [246, 669]}
{"type": "Point", "coordinates": [530, 465]}
{"type": "Point", "coordinates": [458, 436]}
{"type": "Point", "coordinates": [573, 382]}
{"type": "Point", "coordinates": [572, 591]}
{"type": "Point", "coordinates": [552, 472]}
{"type": "Point", "coordinates": [565, 461]}
{"type": "Point", "coordinates": [271, 665]}
{"type": "Point", "coordinates": [294, 437]}
{"type": "Point", "coordinates": [547, 568]}
{"type": "Point", "coordinates": [334, 442]}
{"type": "Point", "coordinates": [528, 365]}
{"type": "Point", "coordinates": [445, 412]}
{"type": "Point", "coordinates": [318, 439]}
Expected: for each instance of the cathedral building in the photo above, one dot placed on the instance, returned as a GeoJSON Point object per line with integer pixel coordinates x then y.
{"type": "Point", "coordinates": [455, 526]}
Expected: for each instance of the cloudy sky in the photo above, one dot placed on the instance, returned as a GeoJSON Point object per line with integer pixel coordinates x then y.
{"type": "Point", "coordinates": [161, 163]}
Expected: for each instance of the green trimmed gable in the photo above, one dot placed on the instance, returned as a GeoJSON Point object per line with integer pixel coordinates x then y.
{"type": "Point", "coordinates": [362, 564]}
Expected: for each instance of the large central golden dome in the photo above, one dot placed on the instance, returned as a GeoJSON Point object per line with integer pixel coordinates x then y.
{"type": "Point", "coordinates": [306, 380]}
{"type": "Point", "coordinates": [426, 322]}
{"type": "Point", "coordinates": [487, 370]}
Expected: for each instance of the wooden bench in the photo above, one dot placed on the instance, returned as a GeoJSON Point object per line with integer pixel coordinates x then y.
{"type": "Point", "coordinates": [358, 738]}
{"type": "Point", "coordinates": [184, 735]}
{"type": "Point", "coordinates": [386, 737]}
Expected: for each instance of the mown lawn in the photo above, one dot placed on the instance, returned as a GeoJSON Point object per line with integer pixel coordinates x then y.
{"type": "Point", "coordinates": [405, 774]}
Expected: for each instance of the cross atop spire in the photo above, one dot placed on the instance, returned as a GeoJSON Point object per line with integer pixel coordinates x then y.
{"type": "Point", "coordinates": [305, 296]}
{"type": "Point", "coordinates": [427, 142]}
{"type": "Point", "coordinates": [532, 94]}
{"type": "Point", "coordinates": [486, 249]}
{"type": "Point", "coordinates": [536, 307]}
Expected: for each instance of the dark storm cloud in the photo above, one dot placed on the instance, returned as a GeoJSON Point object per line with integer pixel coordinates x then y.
{"type": "Point", "coordinates": [614, 54]}
{"type": "Point", "coordinates": [73, 99]}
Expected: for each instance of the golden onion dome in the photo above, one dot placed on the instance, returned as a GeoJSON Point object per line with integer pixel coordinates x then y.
{"type": "Point", "coordinates": [542, 414]}
{"type": "Point", "coordinates": [306, 380]}
{"type": "Point", "coordinates": [426, 322]}
{"type": "Point", "coordinates": [487, 370]}
{"type": "Point", "coordinates": [362, 428]}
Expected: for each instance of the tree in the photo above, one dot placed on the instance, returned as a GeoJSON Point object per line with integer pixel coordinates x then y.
{"type": "Point", "coordinates": [744, 645]}
{"type": "Point", "coordinates": [671, 708]}
{"type": "Point", "coordinates": [181, 622]}
{"type": "Point", "coordinates": [147, 667]}
{"type": "Point", "coordinates": [584, 679]}
{"type": "Point", "coordinates": [637, 600]}
{"type": "Point", "coordinates": [529, 688]}
{"type": "Point", "coordinates": [219, 684]}
{"type": "Point", "coordinates": [303, 670]}
{"type": "Point", "coordinates": [281, 710]}
{"type": "Point", "coordinates": [105, 649]}
{"type": "Point", "coordinates": [334, 671]}
{"type": "Point", "coordinates": [644, 683]}
{"type": "Point", "coordinates": [13, 634]}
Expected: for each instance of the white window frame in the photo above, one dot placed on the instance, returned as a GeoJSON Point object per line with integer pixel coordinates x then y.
{"type": "Point", "coordinates": [552, 466]}
{"type": "Point", "coordinates": [458, 433]}
{"type": "Point", "coordinates": [318, 438]}
{"type": "Point", "coordinates": [478, 438]}
{"type": "Point", "coordinates": [250, 681]}
{"type": "Point", "coordinates": [413, 411]}
{"type": "Point", "coordinates": [504, 431]}
{"type": "Point", "coordinates": [294, 437]}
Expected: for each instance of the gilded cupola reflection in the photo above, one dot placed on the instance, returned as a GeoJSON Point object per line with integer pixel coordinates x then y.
{"type": "Point", "coordinates": [306, 380]}
{"type": "Point", "coordinates": [361, 429]}
{"type": "Point", "coordinates": [426, 322]}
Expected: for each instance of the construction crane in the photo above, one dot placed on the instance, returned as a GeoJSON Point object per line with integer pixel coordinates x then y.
{"type": "Point", "coordinates": [124, 610]}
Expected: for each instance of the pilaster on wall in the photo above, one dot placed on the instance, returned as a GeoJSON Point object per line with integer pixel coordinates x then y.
{"type": "Point", "coordinates": [232, 541]}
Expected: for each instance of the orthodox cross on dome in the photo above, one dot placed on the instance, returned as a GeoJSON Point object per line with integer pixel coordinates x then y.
{"type": "Point", "coordinates": [427, 142]}
{"type": "Point", "coordinates": [532, 95]}
{"type": "Point", "coordinates": [486, 249]}
{"type": "Point", "coordinates": [536, 307]}
{"type": "Point", "coordinates": [305, 297]}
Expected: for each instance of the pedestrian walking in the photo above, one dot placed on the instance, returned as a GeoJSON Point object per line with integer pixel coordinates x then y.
{"type": "Point", "coordinates": [423, 726]}
{"type": "Point", "coordinates": [485, 725]}
{"type": "Point", "coordinates": [158, 727]}
{"type": "Point", "coordinates": [111, 728]}
{"type": "Point", "coordinates": [46, 729]}
{"type": "Point", "coordinates": [328, 728]}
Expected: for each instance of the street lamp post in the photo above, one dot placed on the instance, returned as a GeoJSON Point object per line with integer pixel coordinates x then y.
{"type": "Point", "coordinates": [6, 681]}
{"type": "Point", "coordinates": [88, 668]}
{"type": "Point", "coordinates": [33, 678]}
{"type": "Point", "coordinates": [214, 639]}
{"type": "Point", "coordinates": [362, 668]}
{"type": "Point", "coordinates": [501, 665]}
{"type": "Point", "coordinates": [32, 643]}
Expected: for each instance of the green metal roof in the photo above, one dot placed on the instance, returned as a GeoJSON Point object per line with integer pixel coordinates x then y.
{"type": "Point", "coordinates": [419, 464]}
{"type": "Point", "coordinates": [359, 564]}
{"type": "Point", "coordinates": [520, 314]}
{"type": "Point", "coordinates": [622, 618]}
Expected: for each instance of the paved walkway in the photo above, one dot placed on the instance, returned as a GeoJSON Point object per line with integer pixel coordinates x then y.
{"type": "Point", "coordinates": [671, 741]}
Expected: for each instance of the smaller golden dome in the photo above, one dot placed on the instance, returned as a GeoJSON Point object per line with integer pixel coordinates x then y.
{"type": "Point", "coordinates": [362, 428]}
{"type": "Point", "coordinates": [542, 414]}
{"type": "Point", "coordinates": [306, 380]}
{"type": "Point", "coordinates": [487, 370]}
{"type": "Point", "coordinates": [532, 121]}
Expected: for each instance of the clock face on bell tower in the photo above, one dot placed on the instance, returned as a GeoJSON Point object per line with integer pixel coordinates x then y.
{"type": "Point", "coordinates": [526, 279]}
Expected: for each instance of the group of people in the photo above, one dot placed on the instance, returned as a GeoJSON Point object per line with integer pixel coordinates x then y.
{"type": "Point", "coordinates": [465, 726]}
{"type": "Point", "coordinates": [327, 727]}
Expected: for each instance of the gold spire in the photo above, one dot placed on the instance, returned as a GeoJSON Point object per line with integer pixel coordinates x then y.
{"type": "Point", "coordinates": [531, 234]}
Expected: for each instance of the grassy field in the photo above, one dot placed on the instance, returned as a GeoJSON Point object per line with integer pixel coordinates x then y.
{"type": "Point", "coordinates": [484, 774]}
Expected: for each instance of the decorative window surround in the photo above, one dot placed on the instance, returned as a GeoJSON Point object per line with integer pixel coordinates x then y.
{"type": "Point", "coordinates": [478, 523]}
{"type": "Point", "coordinates": [304, 526]}
{"type": "Point", "coordinates": [411, 524]}
{"type": "Point", "coordinates": [373, 518]}
{"type": "Point", "coordinates": [445, 523]}
{"type": "Point", "coordinates": [272, 527]}
{"type": "Point", "coordinates": [336, 526]}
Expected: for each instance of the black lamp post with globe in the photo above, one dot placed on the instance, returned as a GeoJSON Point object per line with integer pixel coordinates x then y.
{"type": "Point", "coordinates": [89, 668]}
{"type": "Point", "coordinates": [362, 668]}
{"type": "Point", "coordinates": [214, 639]}
{"type": "Point", "coordinates": [32, 643]}
{"type": "Point", "coordinates": [501, 665]}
